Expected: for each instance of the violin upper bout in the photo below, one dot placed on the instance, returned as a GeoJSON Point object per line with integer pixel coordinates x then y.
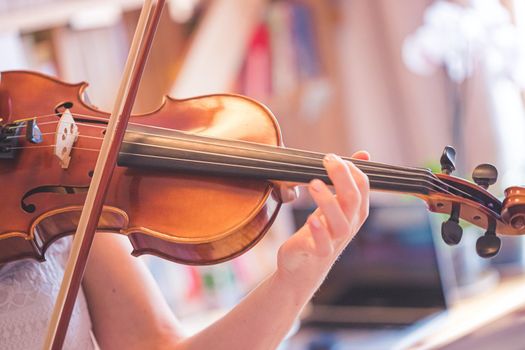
{"type": "Point", "coordinates": [227, 116]}
{"type": "Point", "coordinates": [513, 211]}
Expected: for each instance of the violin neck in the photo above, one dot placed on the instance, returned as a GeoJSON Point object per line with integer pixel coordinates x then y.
{"type": "Point", "coordinates": [148, 148]}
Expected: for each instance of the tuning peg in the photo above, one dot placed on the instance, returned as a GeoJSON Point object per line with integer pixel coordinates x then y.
{"type": "Point", "coordinates": [485, 175]}
{"type": "Point", "coordinates": [448, 160]}
{"type": "Point", "coordinates": [488, 245]}
{"type": "Point", "coordinates": [451, 232]}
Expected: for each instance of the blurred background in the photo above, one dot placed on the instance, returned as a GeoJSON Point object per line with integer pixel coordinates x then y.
{"type": "Point", "coordinates": [401, 79]}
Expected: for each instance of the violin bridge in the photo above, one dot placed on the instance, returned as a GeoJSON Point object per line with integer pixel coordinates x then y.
{"type": "Point", "coordinates": [66, 136]}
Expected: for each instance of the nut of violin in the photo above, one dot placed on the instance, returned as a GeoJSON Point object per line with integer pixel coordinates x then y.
{"type": "Point", "coordinates": [513, 212]}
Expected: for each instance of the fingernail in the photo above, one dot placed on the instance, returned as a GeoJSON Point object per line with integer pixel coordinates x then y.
{"type": "Point", "coordinates": [330, 157]}
{"type": "Point", "coordinates": [316, 185]}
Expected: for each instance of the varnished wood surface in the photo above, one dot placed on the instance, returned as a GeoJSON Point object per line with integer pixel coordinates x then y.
{"type": "Point", "coordinates": [177, 209]}
{"type": "Point", "coordinates": [197, 218]}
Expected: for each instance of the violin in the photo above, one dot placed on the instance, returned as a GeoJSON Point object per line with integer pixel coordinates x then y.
{"type": "Point", "coordinates": [192, 182]}
{"type": "Point", "coordinates": [196, 178]}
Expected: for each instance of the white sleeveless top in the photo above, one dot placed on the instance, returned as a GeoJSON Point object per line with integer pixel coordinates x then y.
{"type": "Point", "coordinates": [28, 290]}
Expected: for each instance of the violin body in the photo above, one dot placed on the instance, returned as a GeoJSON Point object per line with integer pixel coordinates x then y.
{"type": "Point", "coordinates": [188, 218]}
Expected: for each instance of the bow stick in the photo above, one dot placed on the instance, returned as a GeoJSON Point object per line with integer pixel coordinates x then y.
{"type": "Point", "coordinates": [106, 162]}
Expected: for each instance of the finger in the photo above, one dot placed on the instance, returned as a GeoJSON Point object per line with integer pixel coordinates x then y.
{"type": "Point", "coordinates": [348, 193]}
{"type": "Point", "coordinates": [360, 179]}
{"type": "Point", "coordinates": [321, 236]}
{"type": "Point", "coordinates": [330, 208]}
{"type": "Point", "coordinates": [363, 186]}
{"type": "Point", "coordinates": [362, 155]}
{"type": "Point", "coordinates": [288, 193]}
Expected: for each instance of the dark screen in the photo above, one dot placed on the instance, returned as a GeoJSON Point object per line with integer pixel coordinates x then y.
{"type": "Point", "coordinates": [391, 262]}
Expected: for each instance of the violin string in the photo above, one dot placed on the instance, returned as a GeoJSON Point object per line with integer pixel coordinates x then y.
{"type": "Point", "coordinates": [53, 133]}
{"type": "Point", "coordinates": [58, 121]}
{"type": "Point", "coordinates": [24, 136]}
{"type": "Point", "coordinates": [317, 155]}
{"type": "Point", "coordinates": [432, 185]}
{"type": "Point", "coordinates": [187, 133]}
{"type": "Point", "coordinates": [312, 154]}
{"type": "Point", "coordinates": [387, 179]}
{"type": "Point", "coordinates": [428, 185]}
{"type": "Point", "coordinates": [276, 162]}
{"type": "Point", "coordinates": [22, 119]}
{"type": "Point", "coordinates": [437, 184]}
{"type": "Point", "coordinates": [181, 149]}
{"type": "Point", "coordinates": [26, 118]}
{"type": "Point", "coordinates": [49, 146]}
{"type": "Point", "coordinates": [29, 147]}
{"type": "Point", "coordinates": [82, 116]}
{"type": "Point", "coordinates": [402, 175]}
{"type": "Point", "coordinates": [268, 149]}
{"type": "Point", "coordinates": [175, 148]}
{"type": "Point", "coordinates": [76, 123]}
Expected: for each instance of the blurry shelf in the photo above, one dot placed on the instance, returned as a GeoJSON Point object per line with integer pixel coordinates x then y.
{"type": "Point", "coordinates": [209, 56]}
{"type": "Point", "coordinates": [45, 16]}
{"type": "Point", "coordinates": [436, 332]}
{"type": "Point", "coordinates": [473, 313]}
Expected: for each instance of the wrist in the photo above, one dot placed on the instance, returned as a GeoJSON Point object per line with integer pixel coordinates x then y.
{"type": "Point", "coordinates": [299, 292]}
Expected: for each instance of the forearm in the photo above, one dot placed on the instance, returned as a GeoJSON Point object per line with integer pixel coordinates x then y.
{"type": "Point", "coordinates": [260, 321]}
{"type": "Point", "coordinates": [264, 317]}
{"type": "Point", "coordinates": [129, 312]}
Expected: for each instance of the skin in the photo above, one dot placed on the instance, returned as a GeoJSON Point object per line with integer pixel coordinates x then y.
{"type": "Point", "coordinates": [139, 317]}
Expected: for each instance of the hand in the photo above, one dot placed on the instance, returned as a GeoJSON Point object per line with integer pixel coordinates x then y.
{"type": "Point", "coordinates": [306, 257]}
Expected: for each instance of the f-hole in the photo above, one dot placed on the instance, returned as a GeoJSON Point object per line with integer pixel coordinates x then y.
{"type": "Point", "coordinates": [61, 107]}
{"type": "Point", "coordinates": [30, 208]}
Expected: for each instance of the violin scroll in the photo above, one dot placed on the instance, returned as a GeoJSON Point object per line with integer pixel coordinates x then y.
{"type": "Point", "coordinates": [471, 202]}
{"type": "Point", "coordinates": [513, 211]}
